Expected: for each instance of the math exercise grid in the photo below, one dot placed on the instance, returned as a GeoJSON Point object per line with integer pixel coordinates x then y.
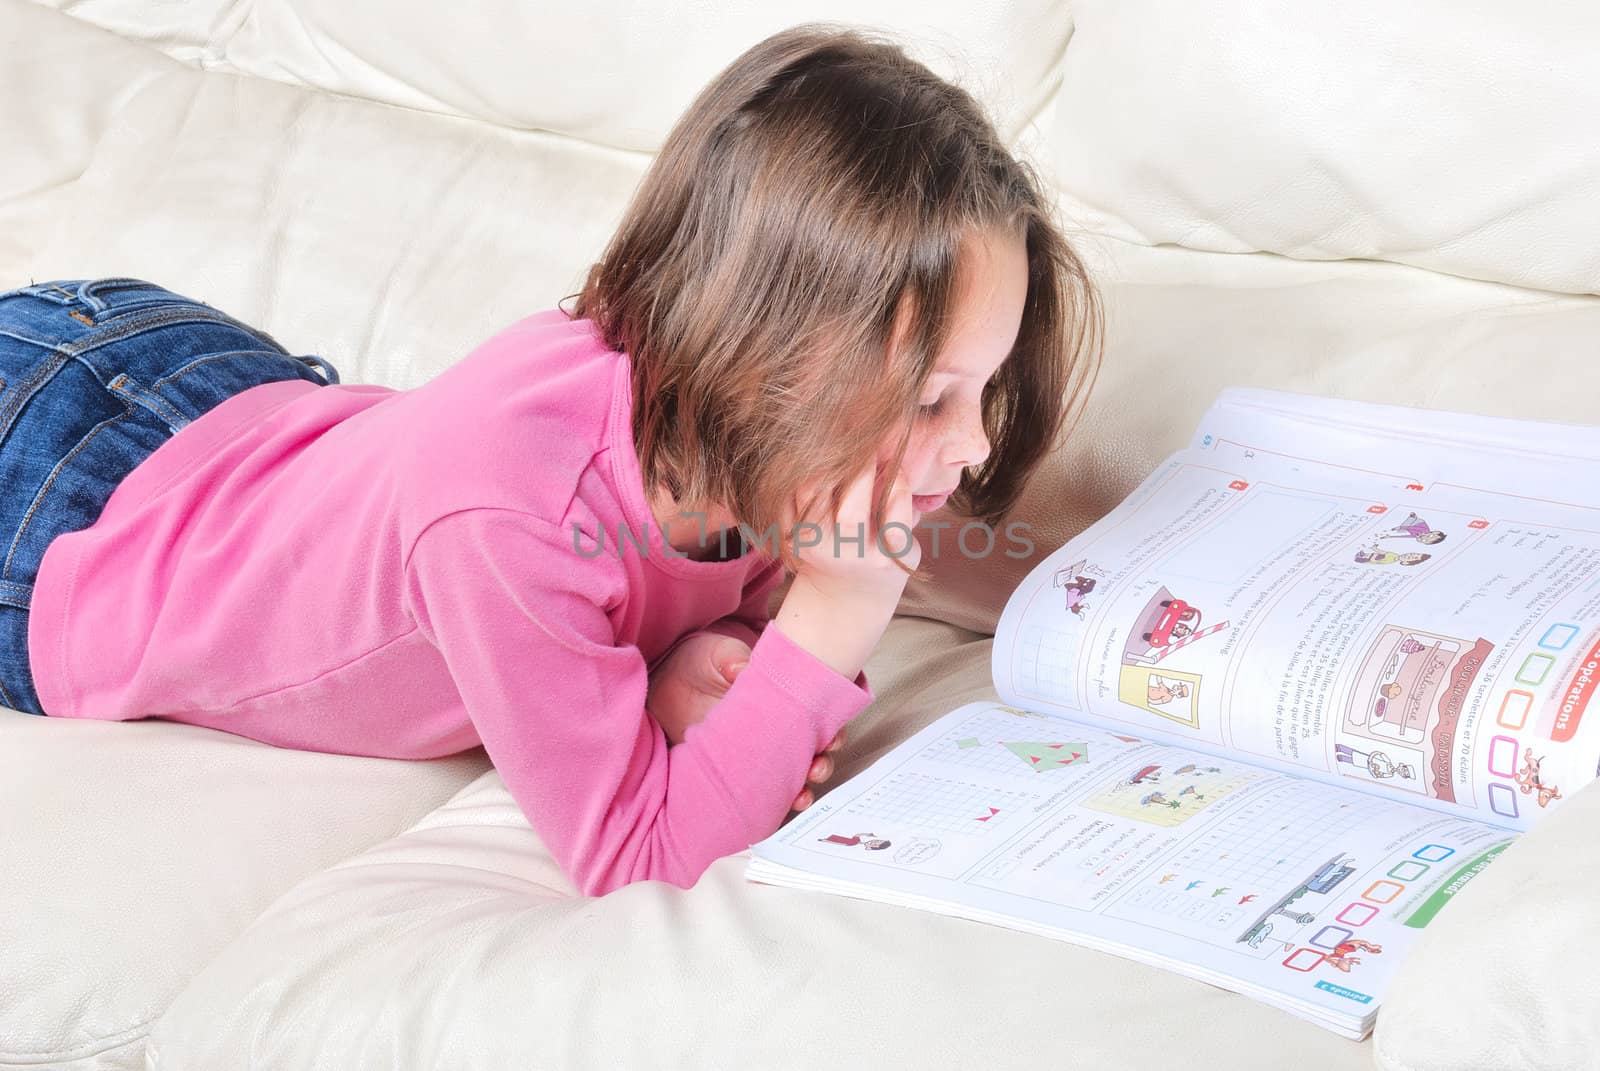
{"type": "Point", "coordinates": [1045, 658]}
{"type": "Point", "coordinates": [1258, 846]}
{"type": "Point", "coordinates": [1220, 885]}
{"type": "Point", "coordinates": [924, 802]}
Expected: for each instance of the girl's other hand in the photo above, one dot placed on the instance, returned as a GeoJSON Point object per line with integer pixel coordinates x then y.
{"type": "Point", "coordinates": [695, 677]}
{"type": "Point", "coordinates": [821, 770]}
{"type": "Point", "coordinates": [692, 680]}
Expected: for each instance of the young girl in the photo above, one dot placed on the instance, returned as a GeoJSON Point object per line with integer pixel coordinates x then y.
{"type": "Point", "coordinates": [835, 301]}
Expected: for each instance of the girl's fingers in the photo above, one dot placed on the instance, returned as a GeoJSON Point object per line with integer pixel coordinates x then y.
{"type": "Point", "coordinates": [802, 801]}
{"type": "Point", "coordinates": [821, 769]}
{"type": "Point", "coordinates": [838, 742]}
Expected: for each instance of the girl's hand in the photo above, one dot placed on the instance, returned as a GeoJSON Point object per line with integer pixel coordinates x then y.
{"type": "Point", "coordinates": [821, 770]}
{"type": "Point", "coordinates": [695, 677]}
{"type": "Point", "coordinates": [868, 567]}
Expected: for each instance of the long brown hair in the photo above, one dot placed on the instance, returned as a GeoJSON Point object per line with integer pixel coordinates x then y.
{"type": "Point", "coordinates": [820, 184]}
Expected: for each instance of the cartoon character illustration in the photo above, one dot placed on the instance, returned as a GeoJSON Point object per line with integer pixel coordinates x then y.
{"type": "Point", "coordinates": [1146, 773]}
{"type": "Point", "coordinates": [870, 841]}
{"type": "Point", "coordinates": [1161, 800]}
{"type": "Point", "coordinates": [1415, 527]}
{"type": "Point", "coordinates": [1178, 619]}
{"type": "Point", "coordinates": [1077, 584]}
{"type": "Point", "coordinates": [1163, 691]}
{"type": "Point", "coordinates": [1528, 780]}
{"type": "Point", "coordinates": [1378, 764]}
{"type": "Point", "coordinates": [1379, 556]}
{"type": "Point", "coordinates": [1341, 958]}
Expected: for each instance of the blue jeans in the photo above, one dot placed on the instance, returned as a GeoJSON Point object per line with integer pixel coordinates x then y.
{"type": "Point", "coordinates": [95, 374]}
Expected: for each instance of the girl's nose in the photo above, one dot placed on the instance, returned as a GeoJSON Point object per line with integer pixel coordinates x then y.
{"type": "Point", "coordinates": [969, 445]}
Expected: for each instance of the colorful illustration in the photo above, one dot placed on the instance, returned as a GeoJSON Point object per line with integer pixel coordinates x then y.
{"type": "Point", "coordinates": [1323, 880]}
{"type": "Point", "coordinates": [1341, 958]}
{"type": "Point", "coordinates": [1173, 694]}
{"type": "Point", "coordinates": [1399, 724]}
{"type": "Point", "coordinates": [1167, 796]}
{"type": "Point", "coordinates": [1162, 691]}
{"type": "Point", "coordinates": [1045, 756]}
{"type": "Point", "coordinates": [1528, 780]}
{"type": "Point", "coordinates": [1377, 763]}
{"type": "Point", "coordinates": [1414, 527]}
{"type": "Point", "coordinates": [1378, 556]}
{"type": "Point", "coordinates": [1075, 579]}
{"type": "Point", "coordinates": [1166, 625]}
{"type": "Point", "coordinates": [870, 841]}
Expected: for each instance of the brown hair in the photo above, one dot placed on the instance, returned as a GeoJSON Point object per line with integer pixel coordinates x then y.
{"type": "Point", "coordinates": [819, 187]}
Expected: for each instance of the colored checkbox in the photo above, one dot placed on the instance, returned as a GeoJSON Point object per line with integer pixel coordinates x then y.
{"type": "Point", "coordinates": [1556, 637]}
{"type": "Point", "coordinates": [1503, 756]}
{"type": "Point", "coordinates": [1357, 913]}
{"type": "Point", "coordinates": [1514, 709]}
{"type": "Point", "coordinates": [1329, 936]}
{"type": "Point", "coordinates": [1535, 668]}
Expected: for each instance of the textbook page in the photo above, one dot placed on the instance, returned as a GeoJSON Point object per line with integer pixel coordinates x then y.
{"type": "Point", "coordinates": [1412, 616]}
{"type": "Point", "coordinates": [1301, 894]}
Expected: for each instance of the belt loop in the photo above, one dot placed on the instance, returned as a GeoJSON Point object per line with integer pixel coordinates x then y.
{"type": "Point", "coordinates": [330, 373]}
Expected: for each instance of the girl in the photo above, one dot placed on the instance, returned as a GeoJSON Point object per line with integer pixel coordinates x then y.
{"type": "Point", "coordinates": [835, 301]}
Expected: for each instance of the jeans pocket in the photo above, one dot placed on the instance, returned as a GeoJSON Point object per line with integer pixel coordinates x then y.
{"type": "Point", "coordinates": [114, 297]}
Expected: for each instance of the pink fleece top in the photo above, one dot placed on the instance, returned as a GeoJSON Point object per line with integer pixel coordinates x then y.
{"type": "Point", "coordinates": [410, 573]}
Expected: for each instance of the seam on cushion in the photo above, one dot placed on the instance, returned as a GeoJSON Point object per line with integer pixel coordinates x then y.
{"type": "Point", "coordinates": [134, 1035]}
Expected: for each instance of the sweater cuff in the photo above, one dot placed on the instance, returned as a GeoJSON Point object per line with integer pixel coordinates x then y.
{"type": "Point", "coordinates": [812, 682]}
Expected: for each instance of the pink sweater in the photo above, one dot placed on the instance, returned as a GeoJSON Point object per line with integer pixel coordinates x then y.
{"type": "Point", "coordinates": [410, 573]}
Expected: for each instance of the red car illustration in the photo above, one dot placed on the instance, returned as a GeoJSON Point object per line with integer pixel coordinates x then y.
{"type": "Point", "coordinates": [1178, 619]}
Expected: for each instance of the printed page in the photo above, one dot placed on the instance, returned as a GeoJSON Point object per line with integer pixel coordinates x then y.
{"type": "Point", "coordinates": [1331, 603]}
{"type": "Point", "coordinates": [1303, 894]}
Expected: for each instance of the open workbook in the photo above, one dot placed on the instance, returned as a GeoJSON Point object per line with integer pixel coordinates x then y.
{"type": "Point", "coordinates": [1262, 721]}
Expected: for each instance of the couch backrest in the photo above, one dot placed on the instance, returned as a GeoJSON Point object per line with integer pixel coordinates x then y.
{"type": "Point", "coordinates": [1457, 135]}
{"type": "Point", "coordinates": [614, 74]}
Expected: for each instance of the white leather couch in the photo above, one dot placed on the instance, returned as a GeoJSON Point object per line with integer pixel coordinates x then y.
{"type": "Point", "coordinates": [1391, 202]}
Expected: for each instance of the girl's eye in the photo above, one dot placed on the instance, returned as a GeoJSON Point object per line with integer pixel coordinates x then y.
{"type": "Point", "coordinates": [933, 409]}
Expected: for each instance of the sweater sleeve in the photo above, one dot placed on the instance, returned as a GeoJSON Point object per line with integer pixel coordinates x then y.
{"type": "Point", "coordinates": [522, 621]}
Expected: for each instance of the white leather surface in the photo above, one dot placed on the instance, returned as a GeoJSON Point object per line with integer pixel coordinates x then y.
{"type": "Point", "coordinates": [131, 853]}
{"type": "Point", "coordinates": [149, 860]}
{"type": "Point", "coordinates": [1507, 977]}
{"type": "Point", "coordinates": [389, 241]}
{"type": "Point", "coordinates": [617, 74]}
{"type": "Point", "coordinates": [62, 79]}
{"type": "Point", "coordinates": [1458, 135]}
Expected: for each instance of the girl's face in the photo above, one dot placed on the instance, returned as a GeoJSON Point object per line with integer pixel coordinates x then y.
{"type": "Point", "coordinates": [948, 434]}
